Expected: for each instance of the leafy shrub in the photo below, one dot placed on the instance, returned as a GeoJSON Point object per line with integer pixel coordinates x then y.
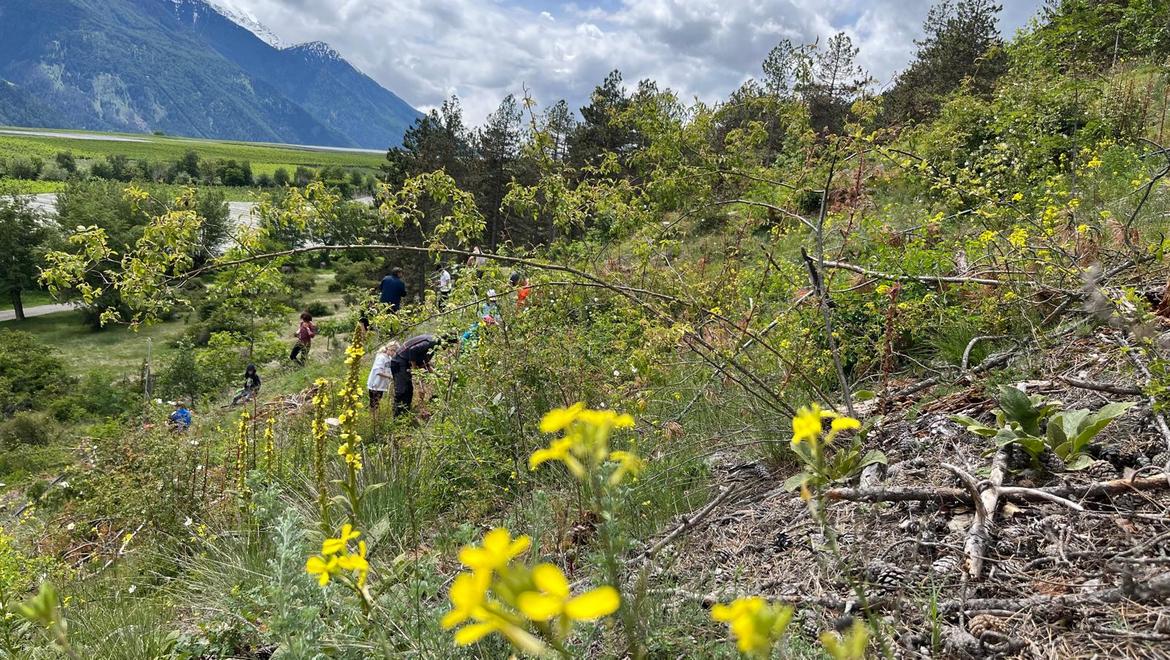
{"type": "Point", "coordinates": [28, 428]}
{"type": "Point", "coordinates": [1036, 425]}
{"type": "Point", "coordinates": [318, 308]}
{"type": "Point", "coordinates": [96, 395]}
{"type": "Point", "coordinates": [30, 372]}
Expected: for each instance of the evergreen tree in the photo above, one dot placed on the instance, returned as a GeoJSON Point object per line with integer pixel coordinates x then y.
{"type": "Point", "coordinates": [961, 43]}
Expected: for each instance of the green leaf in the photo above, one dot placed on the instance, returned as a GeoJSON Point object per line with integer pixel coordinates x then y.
{"type": "Point", "coordinates": [864, 395]}
{"type": "Point", "coordinates": [1099, 420]}
{"type": "Point", "coordinates": [1079, 463]}
{"type": "Point", "coordinates": [974, 426]}
{"type": "Point", "coordinates": [796, 481]}
{"type": "Point", "coordinates": [1018, 407]}
{"type": "Point", "coordinates": [874, 457]}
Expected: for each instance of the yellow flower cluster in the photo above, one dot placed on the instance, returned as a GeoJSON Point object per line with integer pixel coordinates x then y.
{"type": "Point", "coordinates": [585, 443]}
{"type": "Point", "coordinates": [242, 451]}
{"type": "Point", "coordinates": [321, 403]}
{"type": "Point", "coordinates": [270, 446]}
{"type": "Point", "coordinates": [523, 604]}
{"type": "Point", "coordinates": [808, 426]}
{"type": "Point", "coordinates": [349, 397]}
{"type": "Point", "coordinates": [756, 624]}
{"type": "Point", "coordinates": [336, 559]}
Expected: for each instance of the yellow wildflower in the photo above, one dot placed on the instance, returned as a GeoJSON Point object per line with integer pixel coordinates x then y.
{"type": "Point", "coordinates": [334, 546]}
{"type": "Point", "coordinates": [560, 418]}
{"type": "Point", "coordinates": [851, 647]}
{"type": "Point", "coordinates": [552, 598]}
{"type": "Point", "coordinates": [558, 450]}
{"type": "Point", "coordinates": [755, 623]}
{"type": "Point", "coordinates": [806, 426]}
{"type": "Point", "coordinates": [498, 550]}
{"type": "Point", "coordinates": [628, 463]}
{"type": "Point", "coordinates": [469, 603]}
{"type": "Point", "coordinates": [323, 568]}
{"type": "Point", "coordinates": [356, 562]}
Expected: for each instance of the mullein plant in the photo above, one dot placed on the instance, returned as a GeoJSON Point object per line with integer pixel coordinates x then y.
{"type": "Point", "coordinates": [349, 399]}
{"type": "Point", "coordinates": [321, 405]}
{"type": "Point", "coordinates": [242, 458]}
{"type": "Point", "coordinates": [270, 448]}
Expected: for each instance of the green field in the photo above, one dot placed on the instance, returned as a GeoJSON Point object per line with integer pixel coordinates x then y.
{"type": "Point", "coordinates": [265, 158]}
{"type": "Point", "coordinates": [116, 351]}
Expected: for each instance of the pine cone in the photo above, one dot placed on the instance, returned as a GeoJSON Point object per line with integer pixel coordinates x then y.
{"type": "Point", "coordinates": [1101, 471]}
{"type": "Point", "coordinates": [944, 565]}
{"type": "Point", "coordinates": [809, 626]}
{"type": "Point", "coordinates": [1160, 459]}
{"type": "Point", "coordinates": [885, 576]}
{"type": "Point", "coordinates": [1051, 462]}
{"type": "Point", "coordinates": [983, 623]}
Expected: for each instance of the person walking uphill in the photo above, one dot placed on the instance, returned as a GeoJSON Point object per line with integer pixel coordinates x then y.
{"type": "Point", "coordinates": [305, 333]}
{"type": "Point", "coordinates": [416, 352]}
{"type": "Point", "coordinates": [393, 289]}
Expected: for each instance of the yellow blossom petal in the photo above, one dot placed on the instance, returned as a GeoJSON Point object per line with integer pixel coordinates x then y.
{"type": "Point", "coordinates": [594, 604]}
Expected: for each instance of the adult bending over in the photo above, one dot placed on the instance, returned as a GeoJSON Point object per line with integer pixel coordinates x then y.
{"type": "Point", "coordinates": [416, 352]}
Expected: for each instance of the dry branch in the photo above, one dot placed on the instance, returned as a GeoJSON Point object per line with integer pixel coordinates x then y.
{"type": "Point", "coordinates": [953, 496]}
{"type": "Point", "coordinates": [986, 503]}
{"type": "Point", "coordinates": [1108, 388]}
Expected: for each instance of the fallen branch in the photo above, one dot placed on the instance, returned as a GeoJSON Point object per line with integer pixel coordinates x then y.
{"type": "Point", "coordinates": [986, 503]}
{"type": "Point", "coordinates": [1156, 589]}
{"type": "Point", "coordinates": [953, 496]}
{"type": "Point", "coordinates": [1109, 388]}
{"type": "Point", "coordinates": [685, 525]}
{"type": "Point", "coordinates": [928, 279]}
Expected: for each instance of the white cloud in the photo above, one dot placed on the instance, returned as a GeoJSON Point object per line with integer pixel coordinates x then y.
{"type": "Point", "coordinates": [481, 50]}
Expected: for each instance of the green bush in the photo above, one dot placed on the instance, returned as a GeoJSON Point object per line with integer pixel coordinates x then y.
{"type": "Point", "coordinates": [28, 428]}
{"type": "Point", "coordinates": [30, 373]}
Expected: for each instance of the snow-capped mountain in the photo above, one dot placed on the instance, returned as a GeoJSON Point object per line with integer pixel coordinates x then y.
{"type": "Point", "coordinates": [203, 68]}
{"type": "Point", "coordinates": [246, 20]}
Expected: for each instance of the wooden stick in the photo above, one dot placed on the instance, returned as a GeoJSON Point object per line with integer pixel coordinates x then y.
{"type": "Point", "coordinates": [1090, 491]}
{"type": "Point", "coordinates": [686, 524]}
{"type": "Point", "coordinates": [986, 504]}
{"type": "Point", "coordinates": [1110, 388]}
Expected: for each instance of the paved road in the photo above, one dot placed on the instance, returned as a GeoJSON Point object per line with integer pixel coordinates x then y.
{"type": "Point", "coordinates": [39, 310]}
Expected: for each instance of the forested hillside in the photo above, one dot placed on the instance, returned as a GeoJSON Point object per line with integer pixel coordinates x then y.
{"type": "Point", "coordinates": [184, 68]}
{"type": "Point", "coordinates": [818, 371]}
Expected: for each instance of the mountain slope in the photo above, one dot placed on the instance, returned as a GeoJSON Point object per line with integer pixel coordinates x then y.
{"type": "Point", "coordinates": [145, 65]}
{"type": "Point", "coordinates": [312, 74]}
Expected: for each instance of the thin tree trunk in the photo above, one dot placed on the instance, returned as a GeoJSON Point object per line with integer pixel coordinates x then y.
{"type": "Point", "coordinates": [17, 304]}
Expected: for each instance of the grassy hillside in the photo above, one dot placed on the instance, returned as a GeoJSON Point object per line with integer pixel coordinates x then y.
{"type": "Point", "coordinates": [265, 158]}
{"type": "Point", "coordinates": [791, 379]}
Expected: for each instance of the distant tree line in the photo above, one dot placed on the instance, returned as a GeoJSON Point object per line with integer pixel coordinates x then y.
{"type": "Point", "coordinates": [187, 170]}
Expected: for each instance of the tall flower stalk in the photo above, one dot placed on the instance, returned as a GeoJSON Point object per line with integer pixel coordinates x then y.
{"type": "Point", "coordinates": [321, 403]}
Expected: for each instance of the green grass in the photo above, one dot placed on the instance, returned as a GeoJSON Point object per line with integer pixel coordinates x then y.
{"type": "Point", "coordinates": [265, 158]}
{"type": "Point", "coordinates": [29, 299]}
{"type": "Point", "coordinates": [114, 350]}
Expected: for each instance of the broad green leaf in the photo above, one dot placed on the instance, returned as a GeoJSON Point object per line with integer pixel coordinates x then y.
{"type": "Point", "coordinates": [1099, 421]}
{"type": "Point", "coordinates": [1079, 463]}
{"type": "Point", "coordinates": [796, 481]}
{"type": "Point", "coordinates": [1018, 407]}
{"type": "Point", "coordinates": [874, 457]}
{"type": "Point", "coordinates": [974, 426]}
{"type": "Point", "coordinates": [864, 395]}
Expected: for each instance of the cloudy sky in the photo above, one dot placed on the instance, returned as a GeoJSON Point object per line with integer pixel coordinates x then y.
{"type": "Point", "coordinates": [481, 50]}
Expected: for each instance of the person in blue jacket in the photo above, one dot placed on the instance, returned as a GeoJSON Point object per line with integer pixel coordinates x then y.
{"type": "Point", "coordinates": [180, 419]}
{"type": "Point", "coordinates": [393, 289]}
